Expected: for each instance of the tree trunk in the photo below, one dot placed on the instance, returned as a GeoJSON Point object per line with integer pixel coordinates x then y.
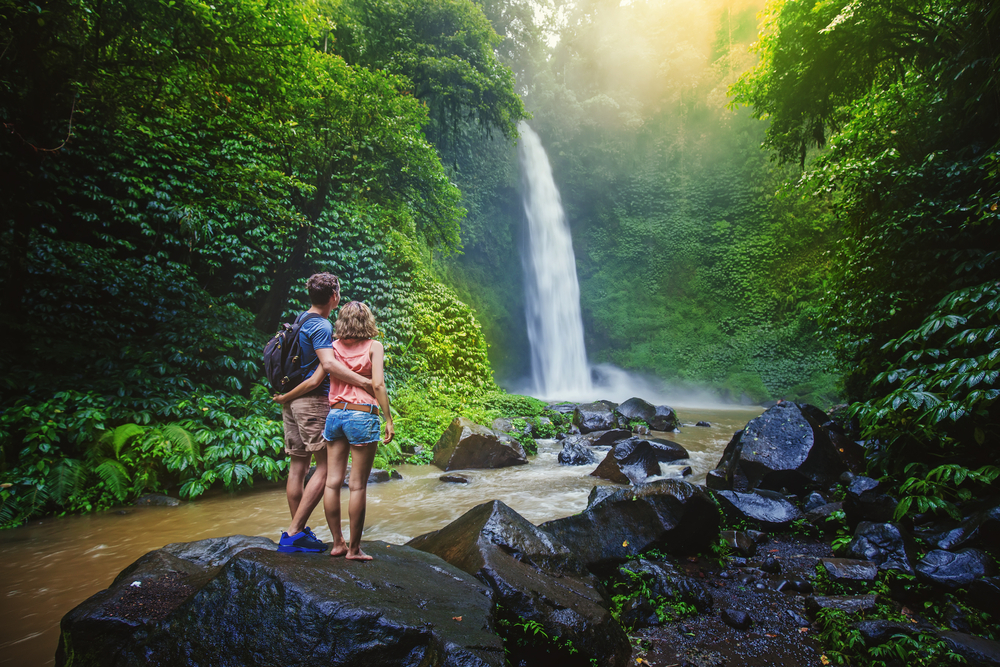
{"type": "Point", "coordinates": [277, 298]}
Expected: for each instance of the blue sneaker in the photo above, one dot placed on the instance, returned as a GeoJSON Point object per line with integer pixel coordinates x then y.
{"type": "Point", "coordinates": [308, 531]}
{"type": "Point", "coordinates": [299, 542]}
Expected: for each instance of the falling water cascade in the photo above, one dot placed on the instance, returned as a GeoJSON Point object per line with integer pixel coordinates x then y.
{"type": "Point", "coordinates": [552, 295]}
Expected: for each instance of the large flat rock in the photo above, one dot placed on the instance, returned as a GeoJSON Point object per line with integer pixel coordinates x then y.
{"type": "Point", "coordinates": [255, 606]}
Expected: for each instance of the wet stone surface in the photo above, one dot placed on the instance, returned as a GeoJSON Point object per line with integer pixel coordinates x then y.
{"type": "Point", "coordinates": [775, 636]}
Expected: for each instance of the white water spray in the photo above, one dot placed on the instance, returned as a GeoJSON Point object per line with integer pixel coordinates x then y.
{"type": "Point", "coordinates": [552, 294]}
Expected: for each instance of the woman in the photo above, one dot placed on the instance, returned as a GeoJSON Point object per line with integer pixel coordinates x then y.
{"type": "Point", "coordinates": [352, 427]}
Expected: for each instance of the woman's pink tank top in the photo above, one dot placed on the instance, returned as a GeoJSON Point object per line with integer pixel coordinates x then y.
{"type": "Point", "coordinates": [356, 355]}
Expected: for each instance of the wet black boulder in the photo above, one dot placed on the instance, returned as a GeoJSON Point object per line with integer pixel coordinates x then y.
{"type": "Point", "coordinates": [783, 448]}
{"type": "Point", "coordinates": [249, 605]}
{"type": "Point", "coordinates": [635, 410]}
{"type": "Point", "coordinates": [678, 517]}
{"type": "Point", "coordinates": [866, 500]}
{"type": "Point", "coordinates": [953, 570]}
{"type": "Point", "coordinates": [599, 438]}
{"type": "Point", "coordinates": [888, 545]}
{"type": "Point", "coordinates": [575, 454]}
{"type": "Point", "coordinates": [533, 578]}
{"type": "Point", "coordinates": [664, 419]}
{"type": "Point", "coordinates": [599, 416]}
{"type": "Point", "coordinates": [656, 417]}
{"type": "Point", "coordinates": [630, 461]}
{"type": "Point", "coordinates": [465, 445]}
{"type": "Point", "coordinates": [667, 451]}
{"type": "Point", "coordinates": [766, 511]}
{"type": "Point", "coordinates": [981, 528]}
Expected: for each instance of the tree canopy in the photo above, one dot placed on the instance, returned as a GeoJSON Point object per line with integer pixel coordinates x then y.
{"type": "Point", "coordinates": [905, 97]}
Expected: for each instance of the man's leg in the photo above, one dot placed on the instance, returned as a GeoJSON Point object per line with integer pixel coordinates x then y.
{"type": "Point", "coordinates": [298, 467]}
{"type": "Point", "coordinates": [298, 458]}
{"type": "Point", "coordinates": [311, 495]}
{"type": "Point", "coordinates": [304, 420]}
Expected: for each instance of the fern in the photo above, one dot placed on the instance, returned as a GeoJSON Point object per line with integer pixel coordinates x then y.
{"type": "Point", "coordinates": [66, 479]}
{"type": "Point", "coordinates": [115, 477]}
{"type": "Point", "coordinates": [182, 441]}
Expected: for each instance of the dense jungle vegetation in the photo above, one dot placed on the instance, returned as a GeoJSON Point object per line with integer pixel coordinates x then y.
{"type": "Point", "coordinates": [172, 171]}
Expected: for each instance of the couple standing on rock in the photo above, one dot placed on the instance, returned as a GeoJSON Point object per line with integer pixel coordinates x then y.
{"type": "Point", "coordinates": [333, 414]}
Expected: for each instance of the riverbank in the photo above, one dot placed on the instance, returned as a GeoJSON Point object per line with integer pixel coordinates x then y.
{"type": "Point", "coordinates": [49, 566]}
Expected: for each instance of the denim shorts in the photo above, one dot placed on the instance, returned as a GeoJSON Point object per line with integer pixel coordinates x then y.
{"type": "Point", "coordinates": [360, 428]}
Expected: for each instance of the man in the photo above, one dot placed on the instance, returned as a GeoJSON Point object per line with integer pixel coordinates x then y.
{"type": "Point", "coordinates": [305, 416]}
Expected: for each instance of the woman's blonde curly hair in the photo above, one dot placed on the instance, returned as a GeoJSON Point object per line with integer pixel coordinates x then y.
{"type": "Point", "coordinates": [355, 320]}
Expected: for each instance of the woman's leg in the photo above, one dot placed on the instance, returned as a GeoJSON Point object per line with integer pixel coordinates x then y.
{"type": "Point", "coordinates": [336, 462]}
{"type": "Point", "coordinates": [362, 457]}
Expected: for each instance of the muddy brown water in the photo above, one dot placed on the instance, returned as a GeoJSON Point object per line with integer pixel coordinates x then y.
{"type": "Point", "coordinates": [51, 565]}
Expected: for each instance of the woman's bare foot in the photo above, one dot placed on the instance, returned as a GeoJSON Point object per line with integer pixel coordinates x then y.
{"type": "Point", "coordinates": [357, 555]}
{"type": "Point", "coordinates": [338, 549]}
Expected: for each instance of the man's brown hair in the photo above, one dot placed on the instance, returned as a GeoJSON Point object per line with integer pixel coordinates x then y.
{"type": "Point", "coordinates": [322, 286]}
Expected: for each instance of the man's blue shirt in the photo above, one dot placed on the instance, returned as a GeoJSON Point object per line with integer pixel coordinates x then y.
{"type": "Point", "coordinates": [315, 334]}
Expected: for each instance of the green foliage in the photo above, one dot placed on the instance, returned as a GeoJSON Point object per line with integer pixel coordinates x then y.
{"type": "Point", "coordinates": [844, 645]}
{"type": "Point", "coordinates": [522, 636]}
{"type": "Point", "coordinates": [913, 142]}
{"type": "Point", "coordinates": [940, 488]}
{"type": "Point", "coordinates": [174, 171]}
{"type": "Point", "coordinates": [522, 434]}
{"type": "Point", "coordinates": [629, 587]}
{"type": "Point", "coordinates": [71, 457]}
{"type": "Point", "coordinates": [689, 268]}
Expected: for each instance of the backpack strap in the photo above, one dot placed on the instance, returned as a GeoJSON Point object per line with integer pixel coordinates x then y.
{"type": "Point", "coordinates": [305, 316]}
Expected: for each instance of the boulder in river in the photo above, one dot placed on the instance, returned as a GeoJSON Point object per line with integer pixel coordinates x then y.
{"type": "Point", "coordinates": [236, 601]}
{"type": "Point", "coordinates": [629, 461]}
{"type": "Point", "coordinates": [667, 451]}
{"type": "Point", "coordinates": [678, 517]}
{"type": "Point", "coordinates": [599, 438]}
{"type": "Point", "coordinates": [664, 419]}
{"type": "Point", "coordinates": [466, 444]}
{"type": "Point", "coordinates": [534, 578]}
{"type": "Point", "coordinates": [635, 410]}
{"type": "Point", "coordinates": [575, 454]}
{"type": "Point", "coordinates": [783, 448]}
{"type": "Point", "coordinates": [599, 416]}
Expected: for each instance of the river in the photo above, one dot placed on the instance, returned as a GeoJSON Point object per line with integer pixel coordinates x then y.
{"type": "Point", "coordinates": [51, 565]}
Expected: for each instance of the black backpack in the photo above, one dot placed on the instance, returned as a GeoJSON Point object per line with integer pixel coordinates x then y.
{"type": "Point", "coordinates": [283, 356]}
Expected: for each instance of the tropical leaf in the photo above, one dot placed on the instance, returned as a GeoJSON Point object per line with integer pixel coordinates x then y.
{"type": "Point", "coordinates": [182, 440]}
{"type": "Point", "coordinates": [66, 479]}
{"type": "Point", "coordinates": [115, 477]}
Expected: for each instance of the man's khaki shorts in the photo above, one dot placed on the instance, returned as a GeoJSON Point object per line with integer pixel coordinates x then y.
{"type": "Point", "coordinates": [304, 419]}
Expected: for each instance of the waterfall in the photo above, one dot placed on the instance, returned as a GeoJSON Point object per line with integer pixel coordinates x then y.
{"type": "Point", "coordinates": [552, 295]}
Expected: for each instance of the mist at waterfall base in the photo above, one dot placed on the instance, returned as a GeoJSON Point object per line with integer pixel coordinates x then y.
{"type": "Point", "coordinates": [609, 382]}
{"type": "Point", "coordinates": [559, 368]}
